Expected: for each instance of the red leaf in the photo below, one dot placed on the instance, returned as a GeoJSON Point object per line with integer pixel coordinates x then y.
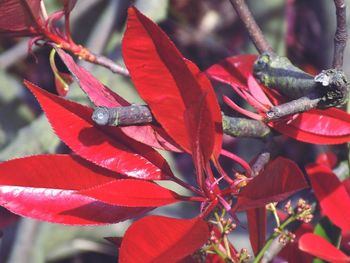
{"type": "Point", "coordinates": [280, 179]}
{"type": "Point", "coordinates": [105, 146]}
{"type": "Point", "coordinates": [257, 228]}
{"type": "Point", "coordinates": [319, 247]}
{"type": "Point", "coordinates": [332, 195]}
{"type": "Point", "coordinates": [19, 17]}
{"type": "Point", "coordinates": [346, 184]}
{"type": "Point", "coordinates": [233, 71]}
{"type": "Point", "coordinates": [133, 193]}
{"type": "Point", "coordinates": [45, 187]}
{"type": "Point", "coordinates": [169, 84]}
{"type": "Point", "coordinates": [257, 92]}
{"type": "Point", "coordinates": [100, 95]}
{"type": "Point", "coordinates": [331, 126]}
{"type": "Point", "coordinates": [327, 158]}
{"type": "Point", "coordinates": [162, 239]}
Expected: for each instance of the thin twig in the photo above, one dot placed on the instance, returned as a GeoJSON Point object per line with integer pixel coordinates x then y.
{"type": "Point", "coordinates": [140, 115]}
{"type": "Point", "coordinates": [111, 65]}
{"type": "Point", "coordinates": [253, 29]}
{"type": "Point", "coordinates": [341, 34]}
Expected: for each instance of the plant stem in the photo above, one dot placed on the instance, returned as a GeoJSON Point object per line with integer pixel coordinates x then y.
{"type": "Point", "coordinates": [111, 65]}
{"type": "Point", "coordinates": [272, 237]}
{"type": "Point", "coordinates": [252, 27]}
{"type": "Point", "coordinates": [341, 34]}
{"type": "Point", "coordinates": [141, 114]}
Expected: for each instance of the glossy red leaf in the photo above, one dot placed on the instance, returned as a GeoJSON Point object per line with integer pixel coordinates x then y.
{"type": "Point", "coordinates": [256, 218]}
{"type": "Point", "coordinates": [169, 84]}
{"type": "Point", "coordinates": [321, 248]}
{"type": "Point", "coordinates": [133, 193]}
{"type": "Point", "coordinates": [19, 17]}
{"type": "Point", "coordinates": [280, 179]}
{"type": "Point", "coordinates": [233, 70]}
{"type": "Point", "coordinates": [100, 95]}
{"type": "Point", "coordinates": [105, 146]}
{"type": "Point", "coordinates": [162, 239]}
{"type": "Point", "coordinates": [331, 126]}
{"type": "Point", "coordinates": [45, 187]}
{"type": "Point", "coordinates": [331, 194]}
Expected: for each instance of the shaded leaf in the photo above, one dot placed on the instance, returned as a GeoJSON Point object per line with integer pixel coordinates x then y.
{"type": "Point", "coordinates": [100, 95]}
{"type": "Point", "coordinates": [280, 179]}
{"type": "Point", "coordinates": [133, 193]}
{"type": "Point", "coordinates": [162, 239]}
{"type": "Point", "coordinates": [256, 218]}
{"type": "Point", "coordinates": [19, 17]}
{"type": "Point", "coordinates": [45, 187]}
{"type": "Point", "coordinates": [105, 146]}
{"type": "Point", "coordinates": [7, 217]}
{"type": "Point", "coordinates": [319, 247]}
{"type": "Point", "coordinates": [331, 194]}
{"type": "Point", "coordinates": [169, 84]}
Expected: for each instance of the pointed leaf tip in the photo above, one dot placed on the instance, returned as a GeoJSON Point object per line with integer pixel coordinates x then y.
{"type": "Point", "coordinates": [107, 147]}
{"type": "Point", "coordinates": [45, 187]}
{"type": "Point", "coordinates": [170, 84]}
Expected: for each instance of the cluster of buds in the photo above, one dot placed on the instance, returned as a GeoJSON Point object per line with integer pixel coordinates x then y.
{"type": "Point", "coordinates": [227, 225]}
{"type": "Point", "coordinates": [285, 236]}
{"type": "Point", "coordinates": [303, 210]}
{"type": "Point", "coordinates": [243, 255]}
{"type": "Point", "coordinates": [289, 208]}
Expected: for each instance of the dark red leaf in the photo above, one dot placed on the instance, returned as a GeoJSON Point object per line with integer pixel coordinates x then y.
{"type": "Point", "coordinates": [169, 84]}
{"type": "Point", "coordinates": [45, 187]}
{"type": "Point", "coordinates": [100, 95]}
{"type": "Point", "coordinates": [6, 217]}
{"type": "Point", "coordinates": [256, 218]}
{"type": "Point", "coordinates": [331, 194]}
{"type": "Point", "coordinates": [105, 146]}
{"type": "Point", "coordinates": [133, 193]}
{"type": "Point", "coordinates": [321, 248]}
{"type": "Point", "coordinates": [19, 17]}
{"type": "Point", "coordinates": [280, 179]}
{"type": "Point", "coordinates": [162, 239]}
